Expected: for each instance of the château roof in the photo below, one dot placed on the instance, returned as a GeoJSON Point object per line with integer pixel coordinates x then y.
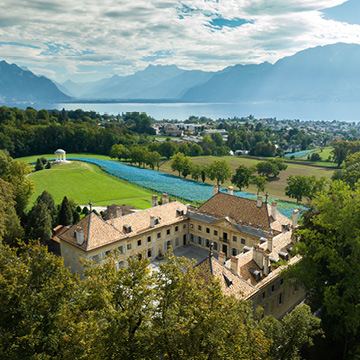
{"type": "Point", "coordinates": [97, 233]}
{"type": "Point", "coordinates": [237, 209]}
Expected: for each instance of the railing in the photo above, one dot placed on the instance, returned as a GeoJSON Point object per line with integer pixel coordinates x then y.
{"type": "Point", "coordinates": [224, 240]}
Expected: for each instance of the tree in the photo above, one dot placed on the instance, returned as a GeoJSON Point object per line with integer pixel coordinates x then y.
{"type": "Point", "coordinates": [289, 335]}
{"type": "Point", "coordinates": [39, 165]}
{"type": "Point", "coordinates": [195, 150]}
{"type": "Point", "coordinates": [10, 227]}
{"type": "Point", "coordinates": [153, 158]}
{"type": "Point", "coordinates": [196, 172]}
{"type": "Point", "coordinates": [192, 320]}
{"type": "Point", "coordinates": [15, 173]}
{"type": "Point", "coordinates": [300, 186]}
{"type": "Point", "coordinates": [271, 167]}
{"type": "Point", "coordinates": [330, 266]}
{"type": "Point", "coordinates": [65, 213]}
{"type": "Point", "coordinates": [35, 289]}
{"type": "Point", "coordinates": [49, 201]}
{"type": "Point", "coordinates": [339, 152]}
{"type": "Point", "coordinates": [177, 162]}
{"type": "Point", "coordinates": [186, 166]}
{"type": "Point", "coordinates": [259, 181]}
{"type": "Point", "coordinates": [39, 223]}
{"type": "Point", "coordinates": [167, 149]}
{"type": "Point", "coordinates": [241, 178]}
{"type": "Point", "coordinates": [219, 171]}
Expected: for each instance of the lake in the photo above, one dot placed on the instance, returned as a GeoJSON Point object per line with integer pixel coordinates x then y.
{"type": "Point", "coordinates": [181, 111]}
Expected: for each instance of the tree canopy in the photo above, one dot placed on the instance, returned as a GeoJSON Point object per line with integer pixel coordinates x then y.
{"type": "Point", "coordinates": [330, 266]}
{"type": "Point", "coordinates": [241, 178]}
{"type": "Point", "coordinates": [219, 171]}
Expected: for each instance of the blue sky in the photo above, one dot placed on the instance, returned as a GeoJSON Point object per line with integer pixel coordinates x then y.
{"type": "Point", "coordinates": [87, 40]}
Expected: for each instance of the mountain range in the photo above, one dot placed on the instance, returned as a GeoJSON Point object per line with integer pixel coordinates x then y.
{"type": "Point", "coordinates": [21, 85]}
{"type": "Point", "coordinates": [320, 74]}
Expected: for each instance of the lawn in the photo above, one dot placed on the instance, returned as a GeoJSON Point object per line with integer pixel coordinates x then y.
{"type": "Point", "coordinates": [275, 187]}
{"type": "Point", "coordinates": [32, 159]}
{"type": "Point", "coordinates": [84, 182]}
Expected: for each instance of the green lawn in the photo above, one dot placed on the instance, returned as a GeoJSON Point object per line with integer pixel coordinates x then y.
{"type": "Point", "coordinates": [275, 187]}
{"type": "Point", "coordinates": [32, 159]}
{"type": "Point", "coordinates": [84, 182]}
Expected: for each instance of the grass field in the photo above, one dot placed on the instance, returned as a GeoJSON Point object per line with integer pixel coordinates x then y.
{"type": "Point", "coordinates": [275, 187]}
{"type": "Point", "coordinates": [32, 159]}
{"type": "Point", "coordinates": [84, 182]}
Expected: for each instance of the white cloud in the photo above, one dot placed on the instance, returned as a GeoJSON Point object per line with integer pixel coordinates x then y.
{"type": "Point", "coordinates": [88, 37]}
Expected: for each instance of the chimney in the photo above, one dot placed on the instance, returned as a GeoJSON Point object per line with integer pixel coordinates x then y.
{"type": "Point", "coordinates": [216, 189]}
{"type": "Point", "coordinates": [154, 200]}
{"type": "Point", "coordinates": [270, 243]}
{"type": "Point", "coordinates": [79, 233]}
{"type": "Point", "coordinates": [259, 201]}
{"type": "Point", "coordinates": [152, 221]}
{"type": "Point", "coordinates": [273, 209]}
{"type": "Point", "coordinates": [266, 265]}
{"type": "Point", "coordinates": [222, 257]}
{"type": "Point", "coordinates": [111, 219]}
{"type": "Point", "coordinates": [295, 218]}
{"type": "Point", "coordinates": [118, 211]}
{"type": "Point", "coordinates": [258, 256]}
{"type": "Point", "coordinates": [165, 198]}
{"type": "Point", "coordinates": [234, 264]}
{"type": "Point", "coordinates": [230, 190]}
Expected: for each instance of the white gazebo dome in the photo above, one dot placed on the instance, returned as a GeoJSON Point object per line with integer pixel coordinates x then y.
{"type": "Point", "coordinates": [60, 156]}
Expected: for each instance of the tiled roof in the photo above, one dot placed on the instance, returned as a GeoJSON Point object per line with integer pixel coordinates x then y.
{"type": "Point", "coordinates": [97, 233]}
{"type": "Point", "coordinates": [140, 221]}
{"type": "Point", "coordinates": [235, 208]}
{"type": "Point", "coordinates": [244, 284]}
{"type": "Point", "coordinates": [239, 287]}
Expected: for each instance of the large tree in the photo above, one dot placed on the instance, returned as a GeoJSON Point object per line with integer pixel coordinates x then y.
{"type": "Point", "coordinates": [241, 178]}
{"type": "Point", "coordinates": [219, 171]}
{"type": "Point", "coordinates": [301, 186]}
{"type": "Point", "coordinates": [39, 223]}
{"type": "Point", "coordinates": [65, 213]}
{"type": "Point", "coordinates": [330, 266]}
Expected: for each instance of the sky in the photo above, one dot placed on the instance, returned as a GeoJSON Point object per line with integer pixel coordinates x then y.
{"type": "Point", "coordinates": [88, 40]}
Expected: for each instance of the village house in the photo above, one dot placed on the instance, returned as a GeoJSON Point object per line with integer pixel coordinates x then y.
{"type": "Point", "coordinates": [246, 239]}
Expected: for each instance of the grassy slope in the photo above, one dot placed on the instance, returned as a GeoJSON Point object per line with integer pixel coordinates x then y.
{"type": "Point", "coordinates": [84, 182]}
{"type": "Point", "coordinates": [275, 188]}
{"type": "Point", "coordinates": [32, 159]}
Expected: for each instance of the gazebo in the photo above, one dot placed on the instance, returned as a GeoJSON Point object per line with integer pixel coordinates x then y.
{"type": "Point", "coordinates": [60, 155]}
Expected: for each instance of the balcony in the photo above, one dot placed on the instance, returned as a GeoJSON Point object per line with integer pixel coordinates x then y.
{"type": "Point", "coordinates": [224, 240]}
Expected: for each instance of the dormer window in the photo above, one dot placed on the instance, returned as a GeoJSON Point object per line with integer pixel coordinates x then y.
{"type": "Point", "coordinates": [127, 229]}
{"type": "Point", "coordinates": [180, 212]}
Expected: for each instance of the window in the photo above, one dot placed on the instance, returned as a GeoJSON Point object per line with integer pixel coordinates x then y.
{"type": "Point", "coordinates": [263, 295]}
{"type": "Point", "coordinates": [199, 240]}
{"type": "Point", "coordinates": [158, 235]}
{"type": "Point", "coordinates": [225, 236]}
{"type": "Point", "coordinates": [184, 226]}
{"type": "Point", "coordinates": [168, 232]}
{"type": "Point", "coordinates": [120, 264]}
{"type": "Point", "coordinates": [149, 238]}
{"type": "Point", "coordinates": [66, 251]}
{"type": "Point", "coordinates": [176, 228]}
{"type": "Point", "coordinates": [280, 299]}
{"type": "Point", "coordinates": [199, 227]}
{"type": "Point", "coordinates": [177, 242]}
{"type": "Point", "coordinates": [243, 241]}
{"type": "Point", "coordinates": [191, 237]}
{"type": "Point", "coordinates": [234, 239]}
{"type": "Point", "coordinates": [234, 252]}
{"type": "Point", "coordinates": [216, 246]}
{"type": "Point", "coordinates": [215, 232]}
{"type": "Point", "coordinates": [73, 254]}
{"type": "Point", "coordinates": [191, 226]}
{"type": "Point", "coordinates": [107, 253]}
{"type": "Point", "coordinates": [149, 254]}
{"type": "Point", "coordinates": [273, 288]}
{"type": "Point", "coordinates": [128, 246]}
{"type": "Point", "coordinates": [207, 243]}
{"type": "Point", "coordinates": [121, 250]}
{"type": "Point", "coordinates": [139, 243]}
{"type": "Point", "coordinates": [207, 230]}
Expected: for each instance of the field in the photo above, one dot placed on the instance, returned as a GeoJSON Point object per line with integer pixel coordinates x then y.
{"type": "Point", "coordinates": [275, 188]}
{"type": "Point", "coordinates": [84, 182]}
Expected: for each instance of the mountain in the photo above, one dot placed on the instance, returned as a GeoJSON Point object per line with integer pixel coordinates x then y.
{"type": "Point", "coordinates": [323, 73]}
{"type": "Point", "coordinates": [126, 87]}
{"type": "Point", "coordinates": [79, 89]}
{"type": "Point", "coordinates": [18, 85]}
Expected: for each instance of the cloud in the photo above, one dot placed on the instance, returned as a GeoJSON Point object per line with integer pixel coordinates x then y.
{"type": "Point", "coordinates": [63, 36]}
